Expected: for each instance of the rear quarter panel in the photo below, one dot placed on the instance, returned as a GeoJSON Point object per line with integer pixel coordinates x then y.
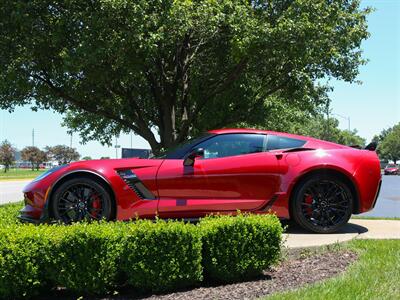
{"type": "Point", "coordinates": [359, 166]}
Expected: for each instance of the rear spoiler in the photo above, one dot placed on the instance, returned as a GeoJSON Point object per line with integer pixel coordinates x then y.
{"type": "Point", "coordinates": [372, 146]}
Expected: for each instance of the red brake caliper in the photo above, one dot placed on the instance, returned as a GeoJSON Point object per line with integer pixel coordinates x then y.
{"type": "Point", "coordinates": [309, 200]}
{"type": "Point", "coordinates": [96, 205]}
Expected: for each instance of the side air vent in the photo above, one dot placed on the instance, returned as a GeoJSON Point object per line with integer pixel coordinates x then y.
{"type": "Point", "coordinates": [136, 185]}
{"type": "Point", "coordinates": [269, 204]}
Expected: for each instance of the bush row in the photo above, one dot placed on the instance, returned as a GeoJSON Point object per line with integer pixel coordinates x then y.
{"type": "Point", "coordinates": [156, 256]}
{"type": "Point", "coordinates": [9, 213]}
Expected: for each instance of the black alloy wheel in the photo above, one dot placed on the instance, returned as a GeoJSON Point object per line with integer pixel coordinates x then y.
{"type": "Point", "coordinates": [81, 199]}
{"type": "Point", "coordinates": [322, 204]}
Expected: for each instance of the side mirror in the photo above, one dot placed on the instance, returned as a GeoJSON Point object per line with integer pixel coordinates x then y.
{"type": "Point", "coordinates": [191, 157]}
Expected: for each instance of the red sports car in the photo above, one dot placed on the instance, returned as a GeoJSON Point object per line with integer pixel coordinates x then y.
{"type": "Point", "coordinates": [391, 169]}
{"type": "Point", "coordinates": [317, 183]}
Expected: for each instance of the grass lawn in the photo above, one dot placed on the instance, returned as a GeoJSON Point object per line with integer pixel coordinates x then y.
{"type": "Point", "coordinates": [376, 275]}
{"type": "Point", "coordinates": [19, 174]}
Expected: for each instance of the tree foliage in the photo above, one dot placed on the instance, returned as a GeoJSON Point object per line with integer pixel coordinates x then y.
{"type": "Point", "coordinates": [34, 155]}
{"type": "Point", "coordinates": [173, 66]}
{"type": "Point", "coordinates": [62, 154]}
{"type": "Point", "coordinates": [382, 135]}
{"type": "Point", "coordinates": [327, 129]}
{"type": "Point", "coordinates": [7, 154]}
{"type": "Point", "coordinates": [389, 148]}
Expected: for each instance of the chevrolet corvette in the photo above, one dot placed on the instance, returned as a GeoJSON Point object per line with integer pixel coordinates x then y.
{"type": "Point", "coordinates": [316, 183]}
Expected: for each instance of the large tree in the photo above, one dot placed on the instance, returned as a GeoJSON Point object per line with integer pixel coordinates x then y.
{"type": "Point", "coordinates": [62, 154]}
{"type": "Point", "coordinates": [7, 154]}
{"type": "Point", "coordinates": [327, 129]}
{"type": "Point", "coordinates": [34, 155]}
{"type": "Point", "coordinates": [174, 67]}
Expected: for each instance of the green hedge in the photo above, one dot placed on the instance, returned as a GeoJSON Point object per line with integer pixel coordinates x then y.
{"type": "Point", "coordinates": [9, 213]}
{"type": "Point", "coordinates": [25, 254]}
{"type": "Point", "coordinates": [97, 258]}
{"type": "Point", "coordinates": [162, 256]}
{"type": "Point", "coordinates": [240, 247]}
{"type": "Point", "coordinates": [87, 257]}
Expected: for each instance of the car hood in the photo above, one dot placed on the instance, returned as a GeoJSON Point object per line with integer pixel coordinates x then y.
{"type": "Point", "coordinates": [115, 163]}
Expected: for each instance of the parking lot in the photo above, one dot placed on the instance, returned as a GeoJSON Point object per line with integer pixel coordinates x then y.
{"type": "Point", "coordinates": [388, 204]}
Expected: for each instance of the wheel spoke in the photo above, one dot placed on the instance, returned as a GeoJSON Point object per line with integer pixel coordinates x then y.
{"type": "Point", "coordinates": [80, 201]}
{"type": "Point", "coordinates": [329, 203]}
{"type": "Point", "coordinates": [67, 200]}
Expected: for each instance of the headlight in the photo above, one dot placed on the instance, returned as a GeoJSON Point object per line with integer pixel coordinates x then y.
{"type": "Point", "coordinates": [47, 173]}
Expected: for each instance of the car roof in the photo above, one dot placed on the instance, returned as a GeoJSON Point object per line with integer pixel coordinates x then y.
{"type": "Point", "coordinates": [310, 140]}
{"type": "Point", "coordinates": [259, 131]}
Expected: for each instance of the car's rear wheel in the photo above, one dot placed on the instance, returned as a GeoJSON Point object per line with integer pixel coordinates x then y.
{"type": "Point", "coordinates": [322, 204]}
{"type": "Point", "coordinates": [81, 199]}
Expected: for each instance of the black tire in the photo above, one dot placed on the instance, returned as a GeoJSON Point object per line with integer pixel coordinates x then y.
{"type": "Point", "coordinates": [81, 199]}
{"type": "Point", "coordinates": [322, 203]}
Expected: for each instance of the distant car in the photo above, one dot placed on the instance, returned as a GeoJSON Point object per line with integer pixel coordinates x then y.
{"type": "Point", "coordinates": [392, 169]}
{"type": "Point", "coordinates": [317, 183]}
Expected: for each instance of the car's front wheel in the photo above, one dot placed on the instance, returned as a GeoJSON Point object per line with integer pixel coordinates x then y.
{"type": "Point", "coordinates": [322, 204]}
{"type": "Point", "coordinates": [81, 199]}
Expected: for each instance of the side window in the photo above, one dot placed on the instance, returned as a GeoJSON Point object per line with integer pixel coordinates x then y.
{"type": "Point", "coordinates": [279, 142]}
{"type": "Point", "coordinates": [233, 144]}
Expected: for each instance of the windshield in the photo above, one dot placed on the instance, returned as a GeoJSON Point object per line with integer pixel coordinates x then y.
{"type": "Point", "coordinates": [391, 166]}
{"type": "Point", "coordinates": [181, 149]}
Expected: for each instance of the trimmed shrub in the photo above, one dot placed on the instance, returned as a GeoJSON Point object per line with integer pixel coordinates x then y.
{"type": "Point", "coordinates": [163, 255]}
{"type": "Point", "coordinates": [87, 257]}
{"type": "Point", "coordinates": [236, 248]}
{"type": "Point", "coordinates": [9, 213]}
{"type": "Point", "coordinates": [96, 258]}
{"type": "Point", "coordinates": [25, 254]}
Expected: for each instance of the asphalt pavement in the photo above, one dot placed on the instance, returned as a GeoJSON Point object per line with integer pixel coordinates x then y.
{"type": "Point", "coordinates": [11, 191]}
{"type": "Point", "coordinates": [388, 203]}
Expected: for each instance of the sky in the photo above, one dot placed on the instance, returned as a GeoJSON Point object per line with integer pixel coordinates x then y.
{"type": "Point", "coordinates": [371, 106]}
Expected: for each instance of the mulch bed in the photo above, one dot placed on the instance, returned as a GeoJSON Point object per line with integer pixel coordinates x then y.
{"type": "Point", "coordinates": [291, 274]}
{"type": "Point", "coordinates": [300, 268]}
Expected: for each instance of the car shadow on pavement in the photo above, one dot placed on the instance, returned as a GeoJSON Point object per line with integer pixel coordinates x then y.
{"type": "Point", "coordinates": [292, 228]}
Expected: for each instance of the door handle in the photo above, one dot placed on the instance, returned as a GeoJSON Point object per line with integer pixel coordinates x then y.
{"type": "Point", "coordinates": [278, 156]}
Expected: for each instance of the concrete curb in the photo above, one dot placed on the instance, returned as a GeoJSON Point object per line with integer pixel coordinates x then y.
{"type": "Point", "coordinates": [356, 228]}
{"type": "Point", "coordinates": [378, 229]}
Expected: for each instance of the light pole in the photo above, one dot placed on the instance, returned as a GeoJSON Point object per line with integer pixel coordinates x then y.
{"type": "Point", "coordinates": [116, 147]}
{"type": "Point", "coordinates": [344, 117]}
{"type": "Point", "coordinates": [131, 139]}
